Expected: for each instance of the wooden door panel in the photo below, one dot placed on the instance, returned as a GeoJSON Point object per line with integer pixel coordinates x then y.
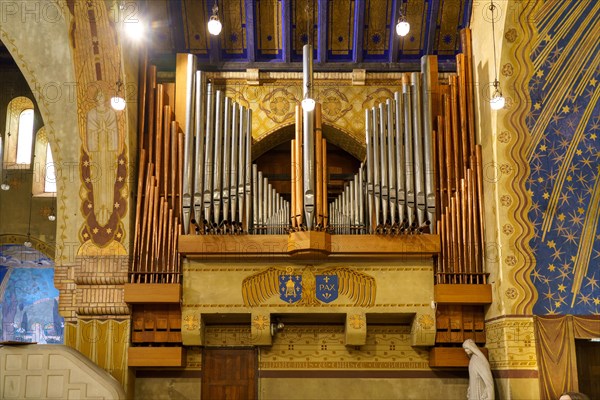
{"type": "Point", "coordinates": [229, 374]}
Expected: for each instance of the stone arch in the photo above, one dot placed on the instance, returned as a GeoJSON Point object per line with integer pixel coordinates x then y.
{"type": "Point", "coordinates": [43, 247]}
{"type": "Point", "coordinates": [49, 69]}
{"type": "Point", "coordinates": [334, 135]}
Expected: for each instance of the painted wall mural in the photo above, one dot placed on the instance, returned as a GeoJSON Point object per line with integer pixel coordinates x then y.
{"type": "Point", "coordinates": [103, 159]}
{"type": "Point", "coordinates": [563, 156]}
{"type": "Point", "coordinates": [28, 298]}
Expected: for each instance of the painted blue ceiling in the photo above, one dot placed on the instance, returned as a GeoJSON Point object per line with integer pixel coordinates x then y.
{"type": "Point", "coordinates": [346, 34]}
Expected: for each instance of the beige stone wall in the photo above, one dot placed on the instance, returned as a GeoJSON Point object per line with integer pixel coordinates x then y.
{"type": "Point", "coordinates": [402, 288]}
{"type": "Point", "coordinates": [53, 371]}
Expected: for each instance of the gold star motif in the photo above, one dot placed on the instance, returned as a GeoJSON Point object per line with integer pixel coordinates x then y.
{"type": "Point", "coordinates": [578, 152]}
{"type": "Point", "coordinates": [86, 163]}
{"type": "Point", "coordinates": [87, 180]}
{"type": "Point", "coordinates": [540, 73]}
{"type": "Point", "coordinates": [117, 205]}
{"type": "Point", "coordinates": [580, 210]}
{"type": "Point", "coordinates": [537, 106]}
{"type": "Point", "coordinates": [89, 205]}
{"type": "Point", "coordinates": [562, 287]}
{"type": "Point", "coordinates": [596, 301]}
{"type": "Point", "coordinates": [551, 244]}
{"type": "Point", "coordinates": [569, 178]}
{"type": "Point", "coordinates": [566, 109]}
{"type": "Point", "coordinates": [121, 161]}
{"type": "Point", "coordinates": [561, 217]}
{"type": "Point", "coordinates": [593, 136]}
{"type": "Point", "coordinates": [109, 231]}
{"type": "Point", "coordinates": [85, 235]}
{"type": "Point", "coordinates": [551, 267]}
{"type": "Point", "coordinates": [593, 81]}
{"type": "Point", "coordinates": [543, 147]}
{"type": "Point", "coordinates": [119, 235]}
{"type": "Point", "coordinates": [546, 195]}
{"type": "Point", "coordinates": [120, 179]}
{"type": "Point", "coordinates": [95, 230]}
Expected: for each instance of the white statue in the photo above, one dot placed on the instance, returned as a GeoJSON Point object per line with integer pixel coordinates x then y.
{"type": "Point", "coordinates": [481, 382]}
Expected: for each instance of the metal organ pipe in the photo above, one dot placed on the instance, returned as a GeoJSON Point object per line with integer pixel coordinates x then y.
{"type": "Point", "coordinates": [308, 141]}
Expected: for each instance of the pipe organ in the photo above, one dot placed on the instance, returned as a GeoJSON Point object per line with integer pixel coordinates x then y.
{"type": "Point", "coordinates": [417, 197]}
{"type": "Point", "coordinates": [421, 175]}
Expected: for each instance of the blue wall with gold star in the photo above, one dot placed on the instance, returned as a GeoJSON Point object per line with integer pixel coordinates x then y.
{"type": "Point", "coordinates": [564, 122]}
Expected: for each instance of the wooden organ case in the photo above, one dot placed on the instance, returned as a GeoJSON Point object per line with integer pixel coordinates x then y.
{"type": "Point", "coordinates": [214, 241]}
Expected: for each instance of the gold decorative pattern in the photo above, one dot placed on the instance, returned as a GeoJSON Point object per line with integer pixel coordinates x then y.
{"type": "Point", "coordinates": [360, 288]}
{"type": "Point", "coordinates": [425, 321]}
{"type": "Point", "coordinates": [335, 104]}
{"type": "Point", "coordinates": [196, 35]}
{"type": "Point", "coordinates": [191, 322]}
{"type": "Point", "coordinates": [279, 105]}
{"type": "Point", "coordinates": [103, 342]}
{"type": "Point", "coordinates": [357, 321]}
{"type": "Point", "coordinates": [260, 322]}
{"type": "Point", "coordinates": [268, 23]}
{"type": "Point", "coordinates": [511, 343]}
{"type": "Point", "coordinates": [322, 347]}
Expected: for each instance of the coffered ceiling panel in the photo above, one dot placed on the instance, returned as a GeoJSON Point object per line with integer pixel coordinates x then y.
{"type": "Point", "coordinates": [270, 34]}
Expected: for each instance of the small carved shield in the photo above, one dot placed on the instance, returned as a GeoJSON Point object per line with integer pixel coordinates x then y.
{"type": "Point", "coordinates": [290, 288]}
{"type": "Point", "coordinates": [327, 287]}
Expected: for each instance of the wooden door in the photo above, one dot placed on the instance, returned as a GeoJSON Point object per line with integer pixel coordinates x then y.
{"type": "Point", "coordinates": [229, 374]}
{"type": "Point", "coordinates": [588, 367]}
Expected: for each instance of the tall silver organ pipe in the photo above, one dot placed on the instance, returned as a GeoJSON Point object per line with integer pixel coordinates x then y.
{"type": "Point", "coordinates": [408, 150]}
{"type": "Point", "coordinates": [226, 158]}
{"type": "Point", "coordinates": [189, 141]}
{"type": "Point", "coordinates": [233, 180]}
{"type": "Point", "coordinates": [241, 166]}
{"type": "Point", "coordinates": [308, 140]}
{"type": "Point", "coordinates": [200, 129]}
{"type": "Point", "coordinates": [418, 147]}
{"type": "Point", "coordinates": [208, 154]}
{"type": "Point", "coordinates": [248, 167]}
{"type": "Point", "coordinates": [218, 156]}
{"type": "Point", "coordinates": [392, 183]}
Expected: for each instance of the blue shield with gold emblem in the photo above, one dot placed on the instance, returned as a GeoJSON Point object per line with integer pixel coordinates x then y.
{"type": "Point", "coordinates": [290, 288]}
{"type": "Point", "coordinates": [327, 287]}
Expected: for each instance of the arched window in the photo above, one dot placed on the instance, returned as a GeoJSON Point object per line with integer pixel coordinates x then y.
{"type": "Point", "coordinates": [18, 136]}
{"type": "Point", "coordinates": [44, 171]}
{"type": "Point", "coordinates": [50, 178]}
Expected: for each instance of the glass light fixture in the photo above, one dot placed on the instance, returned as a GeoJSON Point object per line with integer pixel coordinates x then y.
{"type": "Point", "coordinates": [27, 243]}
{"type": "Point", "coordinates": [5, 186]}
{"type": "Point", "coordinates": [52, 215]}
{"type": "Point", "coordinates": [308, 104]}
{"type": "Point", "coordinates": [117, 102]}
{"type": "Point", "coordinates": [214, 25]}
{"type": "Point", "coordinates": [402, 27]}
{"type": "Point", "coordinates": [497, 101]}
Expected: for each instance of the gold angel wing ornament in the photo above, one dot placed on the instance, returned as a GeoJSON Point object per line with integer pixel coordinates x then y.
{"type": "Point", "coordinates": [356, 286]}
{"type": "Point", "coordinates": [261, 286]}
